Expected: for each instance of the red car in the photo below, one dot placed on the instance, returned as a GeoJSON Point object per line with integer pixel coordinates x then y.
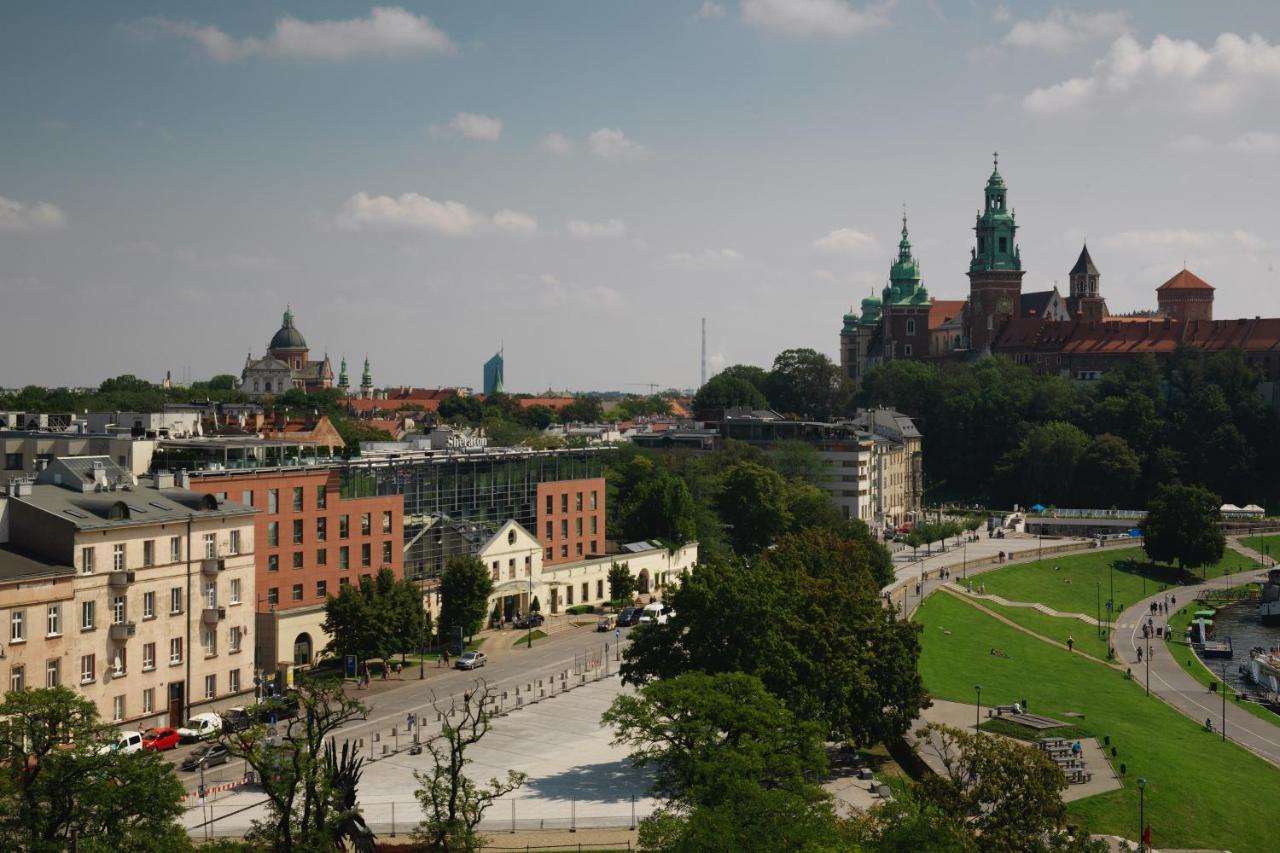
{"type": "Point", "coordinates": [159, 739]}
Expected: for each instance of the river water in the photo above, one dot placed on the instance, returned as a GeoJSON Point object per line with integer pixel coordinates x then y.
{"type": "Point", "coordinates": [1240, 622]}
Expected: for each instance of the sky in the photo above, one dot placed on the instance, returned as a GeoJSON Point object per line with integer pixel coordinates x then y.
{"type": "Point", "coordinates": [579, 183]}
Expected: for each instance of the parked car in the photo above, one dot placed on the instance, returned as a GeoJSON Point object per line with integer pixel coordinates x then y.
{"type": "Point", "coordinates": [471, 660]}
{"type": "Point", "coordinates": [200, 727]}
{"type": "Point", "coordinates": [210, 754]}
{"type": "Point", "coordinates": [604, 623]}
{"type": "Point", "coordinates": [124, 742]}
{"type": "Point", "coordinates": [628, 617]}
{"type": "Point", "coordinates": [236, 719]}
{"type": "Point", "coordinates": [530, 620]}
{"type": "Point", "coordinates": [160, 739]}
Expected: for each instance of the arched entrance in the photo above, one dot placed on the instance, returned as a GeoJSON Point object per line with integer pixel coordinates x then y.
{"type": "Point", "coordinates": [302, 650]}
{"type": "Point", "coordinates": [644, 582]}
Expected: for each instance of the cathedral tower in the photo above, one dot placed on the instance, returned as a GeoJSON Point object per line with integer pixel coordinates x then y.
{"type": "Point", "coordinates": [905, 306]}
{"type": "Point", "coordinates": [1085, 302]}
{"type": "Point", "coordinates": [995, 268]}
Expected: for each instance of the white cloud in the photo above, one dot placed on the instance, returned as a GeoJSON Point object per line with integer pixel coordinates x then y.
{"type": "Point", "coordinates": [30, 216]}
{"type": "Point", "coordinates": [558, 143]}
{"type": "Point", "coordinates": [707, 259]}
{"type": "Point", "coordinates": [1000, 15]}
{"type": "Point", "coordinates": [474, 126]}
{"type": "Point", "coordinates": [846, 241]}
{"type": "Point", "coordinates": [709, 10]}
{"type": "Point", "coordinates": [816, 17]}
{"type": "Point", "coordinates": [515, 222]}
{"type": "Point", "coordinates": [1189, 144]}
{"type": "Point", "coordinates": [1184, 239]}
{"type": "Point", "coordinates": [612, 144]}
{"type": "Point", "coordinates": [554, 293]}
{"type": "Point", "coordinates": [1179, 73]}
{"type": "Point", "coordinates": [1064, 29]}
{"type": "Point", "coordinates": [1255, 142]}
{"type": "Point", "coordinates": [387, 31]}
{"type": "Point", "coordinates": [192, 259]}
{"type": "Point", "coordinates": [597, 230]}
{"type": "Point", "coordinates": [410, 211]}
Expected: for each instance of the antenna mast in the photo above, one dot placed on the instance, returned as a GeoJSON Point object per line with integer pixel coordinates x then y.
{"type": "Point", "coordinates": [704, 353]}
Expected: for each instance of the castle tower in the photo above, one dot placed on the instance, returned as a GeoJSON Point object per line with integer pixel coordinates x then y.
{"type": "Point", "coordinates": [1085, 302]}
{"type": "Point", "coordinates": [995, 268]}
{"type": "Point", "coordinates": [905, 306]}
{"type": "Point", "coordinates": [344, 383]}
{"type": "Point", "coordinates": [1186, 297]}
{"type": "Point", "coordinates": [366, 381]}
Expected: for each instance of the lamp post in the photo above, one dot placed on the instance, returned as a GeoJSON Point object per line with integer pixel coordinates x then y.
{"type": "Point", "coordinates": [1142, 812]}
{"type": "Point", "coordinates": [529, 611]}
{"type": "Point", "coordinates": [1148, 639]}
{"type": "Point", "coordinates": [964, 561]}
{"type": "Point", "coordinates": [977, 711]}
{"type": "Point", "coordinates": [1224, 701]}
{"type": "Point", "coordinates": [422, 652]}
{"type": "Point", "coordinates": [1098, 584]}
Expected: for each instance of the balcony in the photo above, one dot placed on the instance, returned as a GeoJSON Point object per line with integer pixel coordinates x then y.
{"type": "Point", "coordinates": [120, 579]}
{"type": "Point", "coordinates": [122, 630]}
{"type": "Point", "coordinates": [213, 615]}
{"type": "Point", "coordinates": [212, 565]}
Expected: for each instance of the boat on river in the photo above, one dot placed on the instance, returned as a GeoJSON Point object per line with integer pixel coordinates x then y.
{"type": "Point", "coordinates": [1269, 600]}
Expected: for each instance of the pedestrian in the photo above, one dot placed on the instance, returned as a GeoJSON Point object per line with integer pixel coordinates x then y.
{"type": "Point", "coordinates": [1174, 600]}
{"type": "Point", "coordinates": [398, 668]}
{"type": "Point", "coordinates": [1076, 749]}
{"type": "Point", "coordinates": [1071, 644]}
{"type": "Point", "coordinates": [1139, 654]}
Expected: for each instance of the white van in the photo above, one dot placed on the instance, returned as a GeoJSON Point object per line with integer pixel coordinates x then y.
{"type": "Point", "coordinates": [126, 742]}
{"type": "Point", "coordinates": [655, 612]}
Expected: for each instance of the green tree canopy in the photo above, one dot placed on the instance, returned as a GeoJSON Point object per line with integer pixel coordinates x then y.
{"type": "Point", "coordinates": [725, 392]}
{"type": "Point", "coordinates": [465, 587]}
{"type": "Point", "coordinates": [586, 410]}
{"type": "Point", "coordinates": [752, 505]}
{"type": "Point", "coordinates": [1182, 527]}
{"type": "Point", "coordinates": [806, 383]}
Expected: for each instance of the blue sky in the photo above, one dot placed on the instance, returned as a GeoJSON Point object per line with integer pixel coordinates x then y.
{"type": "Point", "coordinates": [581, 181]}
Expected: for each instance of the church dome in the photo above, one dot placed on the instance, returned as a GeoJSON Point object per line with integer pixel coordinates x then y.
{"type": "Point", "coordinates": [288, 337]}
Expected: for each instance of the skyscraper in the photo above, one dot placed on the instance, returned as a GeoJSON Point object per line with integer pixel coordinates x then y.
{"type": "Point", "coordinates": [493, 375]}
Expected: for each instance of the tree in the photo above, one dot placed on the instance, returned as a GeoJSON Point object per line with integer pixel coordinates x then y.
{"type": "Point", "coordinates": [310, 791]}
{"type": "Point", "coordinates": [537, 417]}
{"type": "Point", "coordinates": [752, 504]}
{"type": "Point", "coordinates": [56, 786]}
{"type": "Point", "coordinates": [465, 587]}
{"type": "Point", "coordinates": [452, 804]}
{"type": "Point", "coordinates": [1043, 466]}
{"type": "Point", "coordinates": [799, 460]}
{"type": "Point", "coordinates": [223, 382]}
{"type": "Point", "coordinates": [586, 410]}
{"type": "Point", "coordinates": [635, 407]}
{"type": "Point", "coordinates": [1182, 525]}
{"type": "Point", "coordinates": [622, 584]}
{"type": "Point", "coordinates": [459, 409]}
{"type": "Point", "coordinates": [651, 502]}
{"type": "Point", "coordinates": [376, 618]}
{"type": "Point", "coordinates": [817, 634]}
{"type": "Point", "coordinates": [724, 391]}
{"type": "Point", "coordinates": [807, 383]}
{"type": "Point", "coordinates": [1107, 473]}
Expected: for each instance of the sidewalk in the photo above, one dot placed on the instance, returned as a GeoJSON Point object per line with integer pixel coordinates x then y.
{"type": "Point", "coordinates": [1172, 684]}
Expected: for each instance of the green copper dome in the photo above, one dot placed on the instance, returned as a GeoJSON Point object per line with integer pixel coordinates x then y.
{"type": "Point", "coordinates": [996, 246]}
{"type": "Point", "coordinates": [904, 274]}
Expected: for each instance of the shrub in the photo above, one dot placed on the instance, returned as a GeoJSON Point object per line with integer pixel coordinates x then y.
{"type": "Point", "coordinates": [579, 609]}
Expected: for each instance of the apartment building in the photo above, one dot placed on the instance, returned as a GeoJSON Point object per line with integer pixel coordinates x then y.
{"type": "Point", "coordinates": [138, 596]}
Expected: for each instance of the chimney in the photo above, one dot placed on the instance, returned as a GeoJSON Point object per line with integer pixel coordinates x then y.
{"type": "Point", "coordinates": [164, 479]}
{"type": "Point", "coordinates": [183, 479]}
{"type": "Point", "coordinates": [99, 474]}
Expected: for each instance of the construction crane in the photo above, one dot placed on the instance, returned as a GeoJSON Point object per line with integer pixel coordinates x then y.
{"type": "Point", "coordinates": [652, 386]}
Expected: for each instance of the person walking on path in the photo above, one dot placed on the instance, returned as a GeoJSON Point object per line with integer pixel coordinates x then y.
{"type": "Point", "coordinates": [1071, 644]}
{"type": "Point", "coordinates": [1139, 654]}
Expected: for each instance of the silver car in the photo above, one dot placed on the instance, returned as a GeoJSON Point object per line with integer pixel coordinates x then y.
{"type": "Point", "coordinates": [471, 660]}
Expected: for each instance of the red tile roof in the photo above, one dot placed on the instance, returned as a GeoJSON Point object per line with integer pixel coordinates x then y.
{"type": "Point", "coordinates": [1186, 280]}
{"type": "Point", "coordinates": [556, 403]}
{"type": "Point", "coordinates": [942, 310]}
{"type": "Point", "coordinates": [1156, 336]}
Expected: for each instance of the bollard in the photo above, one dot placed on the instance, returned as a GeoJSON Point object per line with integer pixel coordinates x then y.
{"type": "Point", "coordinates": [573, 814]}
{"type": "Point", "coordinates": [384, 749]}
{"type": "Point", "coordinates": [393, 819]}
{"type": "Point", "coordinates": [513, 815]}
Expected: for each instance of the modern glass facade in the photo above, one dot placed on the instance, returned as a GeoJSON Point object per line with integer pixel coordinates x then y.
{"type": "Point", "coordinates": [454, 501]}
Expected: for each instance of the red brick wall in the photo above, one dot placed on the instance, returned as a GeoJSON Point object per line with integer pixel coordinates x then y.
{"type": "Point", "coordinates": [284, 575]}
{"type": "Point", "coordinates": [567, 507]}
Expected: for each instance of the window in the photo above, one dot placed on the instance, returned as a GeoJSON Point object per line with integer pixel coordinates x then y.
{"type": "Point", "coordinates": [564, 528]}
{"type": "Point", "coordinates": [210, 546]}
{"type": "Point", "coordinates": [297, 498]}
{"type": "Point", "coordinates": [149, 552]}
{"type": "Point", "coordinates": [297, 592]}
{"type": "Point", "coordinates": [246, 497]}
{"type": "Point", "coordinates": [586, 593]}
{"type": "Point", "coordinates": [273, 533]}
{"type": "Point", "coordinates": [175, 600]}
{"type": "Point", "coordinates": [273, 596]}
{"type": "Point", "coordinates": [593, 499]}
{"type": "Point", "coordinates": [149, 700]}
{"type": "Point", "coordinates": [577, 502]}
{"type": "Point", "coordinates": [578, 549]}
{"type": "Point", "coordinates": [564, 551]}
{"type": "Point", "coordinates": [386, 521]}
{"type": "Point", "coordinates": [366, 555]}
{"type": "Point", "coordinates": [550, 504]}
{"type": "Point", "coordinates": [564, 502]}
{"type": "Point", "coordinates": [273, 562]}
{"type": "Point", "coordinates": [322, 529]}
{"type": "Point", "coordinates": [117, 610]}
{"type": "Point", "coordinates": [118, 664]}
{"type": "Point", "coordinates": [577, 526]}
{"type": "Point", "coordinates": [600, 589]}
{"type": "Point", "coordinates": [53, 673]}
{"type": "Point", "coordinates": [175, 651]}
{"type": "Point", "coordinates": [53, 620]}
{"type": "Point", "coordinates": [322, 589]}
{"type": "Point", "coordinates": [528, 565]}
{"type": "Point", "coordinates": [595, 521]}
{"type": "Point", "coordinates": [366, 524]}
{"type": "Point", "coordinates": [13, 462]}
{"type": "Point", "coordinates": [148, 657]}
{"type": "Point", "coordinates": [297, 531]}
{"type": "Point", "coordinates": [911, 327]}
{"type": "Point", "coordinates": [551, 531]}
{"type": "Point", "coordinates": [86, 561]}
{"type": "Point", "coordinates": [233, 681]}
{"type": "Point", "coordinates": [386, 553]}
{"type": "Point", "coordinates": [86, 615]}
{"type": "Point", "coordinates": [511, 568]}
{"type": "Point", "coordinates": [344, 558]}
{"type": "Point", "coordinates": [549, 552]}
{"type": "Point", "coordinates": [17, 626]}
{"type": "Point", "coordinates": [234, 546]}
{"type": "Point", "coordinates": [234, 596]}
{"type": "Point", "coordinates": [907, 350]}
{"type": "Point", "coordinates": [495, 572]}
{"type": "Point", "coordinates": [117, 708]}
{"type": "Point", "coordinates": [273, 501]}
{"type": "Point", "coordinates": [117, 556]}
{"type": "Point", "coordinates": [1004, 244]}
{"type": "Point", "coordinates": [322, 557]}
{"type": "Point", "coordinates": [211, 594]}
{"type": "Point", "coordinates": [568, 594]}
{"type": "Point", "coordinates": [297, 559]}
{"type": "Point", "coordinates": [322, 497]}
{"type": "Point", "coordinates": [175, 549]}
{"type": "Point", "coordinates": [344, 526]}
{"type": "Point", "coordinates": [209, 639]}
{"type": "Point", "coordinates": [210, 686]}
{"type": "Point", "coordinates": [18, 678]}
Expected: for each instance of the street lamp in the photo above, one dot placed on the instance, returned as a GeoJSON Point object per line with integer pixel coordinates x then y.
{"type": "Point", "coordinates": [1224, 701]}
{"type": "Point", "coordinates": [977, 711]}
{"type": "Point", "coordinates": [529, 610]}
{"type": "Point", "coordinates": [1098, 584]}
{"type": "Point", "coordinates": [1148, 639]}
{"type": "Point", "coordinates": [1142, 813]}
{"type": "Point", "coordinates": [964, 561]}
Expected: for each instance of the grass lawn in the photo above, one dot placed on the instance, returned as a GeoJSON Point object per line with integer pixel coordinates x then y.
{"type": "Point", "coordinates": [432, 657]}
{"type": "Point", "coordinates": [1200, 793]}
{"type": "Point", "coordinates": [1272, 544]}
{"type": "Point", "coordinates": [1070, 584]}
{"type": "Point", "coordinates": [1055, 627]}
{"type": "Point", "coordinates": [524, 638]}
